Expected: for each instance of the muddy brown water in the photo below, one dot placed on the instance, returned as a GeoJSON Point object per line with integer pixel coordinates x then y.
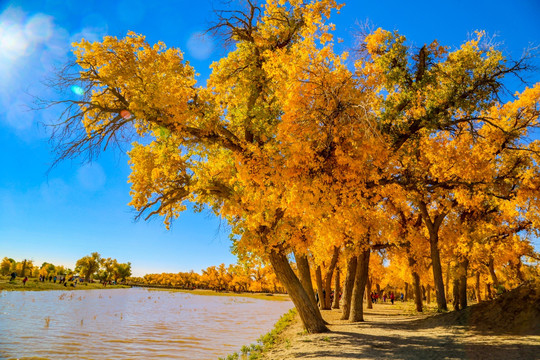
{"type": "Point", "coordinates": [130, 324]}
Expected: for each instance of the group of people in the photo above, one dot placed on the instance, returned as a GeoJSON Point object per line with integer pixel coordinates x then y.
{"type": "Point", "coordinates": [375, 297]}
{"type": "Point", "coordinates": [61, 279]}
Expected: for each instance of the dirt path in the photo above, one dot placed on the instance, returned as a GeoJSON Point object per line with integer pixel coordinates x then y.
{"type": "Point", "coordinates": [390, 333]}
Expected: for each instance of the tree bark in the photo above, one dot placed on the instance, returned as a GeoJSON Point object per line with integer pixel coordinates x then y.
{"type": "Point", "coordinates": [304, 273]}
{"type": "Point", "coordinates": [437, 273]}
{"type": "Point", "coordinates": [447, 282]}
{"type": "Point", "coordinates": [406, 291]}
{"type": "Point", "coordinates": [455, 293]}
{"type": "Point", "coordinates": [494, 278]}
{"type": "Point", "coordinates": [433, 229]}
{"type": "Point", "coordinates": [320, 288]}
{"type": "Point", "coordinates": [428, 293]}
{"type": "Point", "coordinates": [309, 314]}
{"type": "Point", "coordinates": [337, 290]}
{"type": "Point", "coordinates": [519, 273]}
{"type": "Point", "coordinates": [357, 300]}
{"type": "Point", "coordinates": [478, 294]}
{"type": "Point", "coordinates": [417, 291]}
{"type": "Point", "coordinates": [463, 268]}
{"type": "Point", "coordinates": [328, 278]}
{"type": "Point", "coordinates": [348, 287]}
{"type": "Point", "coordinates": [368, 291]}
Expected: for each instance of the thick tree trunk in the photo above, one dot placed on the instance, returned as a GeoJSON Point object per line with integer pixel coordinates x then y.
{"type": "Point", "coordinates": [348, 287]}
{"type": "Point", "coordinates": [368, 292]}
{"type": "Point", "coordinates": [406, 291]}
{"type": "Point", "coordinates": [304, 273]}
{"type": "Point", "coordinates": [337, 290]}
{"type": "Point", "coordinates": [437, 271]}
{"type": "Point", "coordinates": [463, 268]}
{"type": "Point", "coordinates": [357, 300]}
{"type": "Point", "coordinates": [320, 287]}
{"type": "Point", "coordinates": [478, 294]}
{"type": "Point", "coordinates": [328, 278]}
{"type": "Point", "coordinates": [417, 291]}
{"type": "Point", "coordinates": [455, 293]}
{"type": "Point", "coordinates": [309, 314]}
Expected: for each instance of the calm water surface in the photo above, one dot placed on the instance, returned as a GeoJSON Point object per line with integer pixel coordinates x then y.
{"type": "Point", "coordinates": [130, 324]}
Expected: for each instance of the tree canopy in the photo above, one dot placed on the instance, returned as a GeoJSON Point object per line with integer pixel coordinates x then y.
{"type": "Point", "coordinates": [410, 152]}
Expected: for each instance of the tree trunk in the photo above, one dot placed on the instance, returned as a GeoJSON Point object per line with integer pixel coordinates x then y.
{"type": "Point", "coordinates": [304, 274]}
{"type": "Point", "coordinates": [309, 314]}
{"type": "Point", "coordinates": [478, 294]}
{"type": "Point", "coordinates": [357, 300]}
{"type": "Point", "coordinates": [437, 271]}
{"type": "Point", "coordinates": [348, 287]}
{"type": "Point", "coordinates": [368, 291]}
{"type": "Point", "coordinates": [406, 291]}
{"type": "Point", "coordinates": [423, 293]}
{"type": "Point", "coordinates": [455, 293]}
{"type": "Point", "coordinates": [417, 291]}
{"type": "Point", "coordinates": [463, 268]}
{"type": "Point", "coordinates": [428, 293]}
{"type": "Point", "coordinates": [328, 278]}
{"type": "Point", "coordinates": [320, 288]}
{"type": "Point", "coordinates": [519, 273]}
{"type": "Point", "coordinates": [337, 290]}
{"type": "Point", "coordinates": [447, 280]}
{"type": "Point", "coordinates": [433, 229]}
{"type": "Point", "coordinates": [488, 291]}
{"type": "Point", "coordinates": [494, 278]}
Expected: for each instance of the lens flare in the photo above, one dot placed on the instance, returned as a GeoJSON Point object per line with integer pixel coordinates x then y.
{"type": "Point", "coordinates": [125, 114]}
{"type": "Point", "coordinates": [77, 90]}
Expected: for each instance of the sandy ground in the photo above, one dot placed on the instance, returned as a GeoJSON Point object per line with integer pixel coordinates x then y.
{"type": "Point", "coordinates": [391, 332]}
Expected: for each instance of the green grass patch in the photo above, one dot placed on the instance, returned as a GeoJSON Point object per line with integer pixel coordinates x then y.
{"type": "Point", "coordinates": [265, 342]}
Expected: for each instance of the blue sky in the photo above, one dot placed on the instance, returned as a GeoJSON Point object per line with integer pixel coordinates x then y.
{"type": "Point", "coordinates": [78, 208]}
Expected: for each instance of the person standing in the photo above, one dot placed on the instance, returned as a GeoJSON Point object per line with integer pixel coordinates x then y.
{"type": "Point", "coordinates": [25, 280]}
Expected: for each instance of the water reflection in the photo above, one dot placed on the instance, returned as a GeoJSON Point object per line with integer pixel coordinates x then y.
{"type": "Point", "coordinates": [130, 324]}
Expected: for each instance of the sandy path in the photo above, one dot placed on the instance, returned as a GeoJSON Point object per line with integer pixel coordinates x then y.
{"type": "Point", "coordinates": [389, 333]}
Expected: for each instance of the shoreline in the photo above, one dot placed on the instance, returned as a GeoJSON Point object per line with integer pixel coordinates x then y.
{"type": "Point", "coordinates": [34, 285]}
{"type": "Point", "coordinates": [206, 292]}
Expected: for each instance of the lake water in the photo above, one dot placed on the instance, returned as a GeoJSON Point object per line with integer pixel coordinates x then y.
{"type": "Point", "coordinates": [130, 324]}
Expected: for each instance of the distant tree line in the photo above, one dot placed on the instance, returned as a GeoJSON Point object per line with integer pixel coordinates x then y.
{"type": "Point", "coordinates": [90, 267]}
{"type": "Point", "coordinates": [235, 277]}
